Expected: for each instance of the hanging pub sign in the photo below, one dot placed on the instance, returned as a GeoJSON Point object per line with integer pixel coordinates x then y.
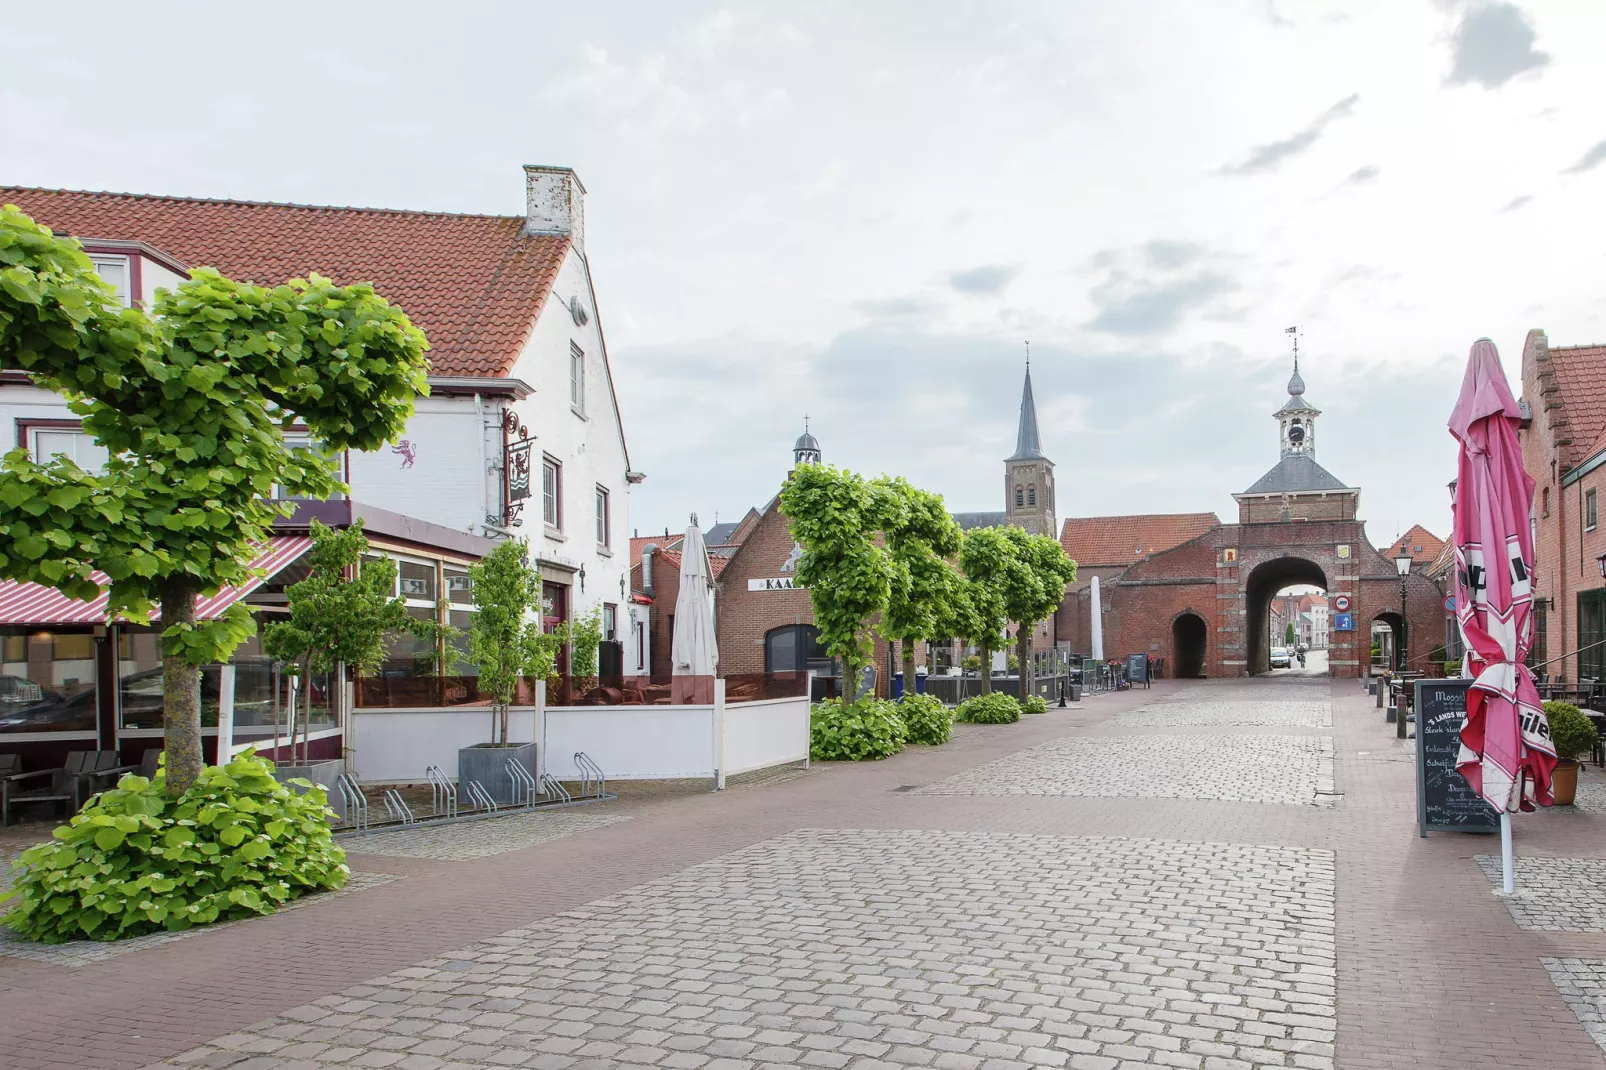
{"type": "Point", "coordinates": [516, 444]}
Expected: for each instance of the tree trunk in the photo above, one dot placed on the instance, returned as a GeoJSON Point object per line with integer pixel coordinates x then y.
{"type": "Point", "coordinates": [273, 680]}
{"type": "Point", "coordinates": [181, 693]}
{"type": "Point", "coordinates": [1023, 639]}
{"type": "Point", "coordinates": [306, 718]}
{"type": "Point", "coordinates": [908, 666]}
{"type": "Point", "coordinates": [986, 669]}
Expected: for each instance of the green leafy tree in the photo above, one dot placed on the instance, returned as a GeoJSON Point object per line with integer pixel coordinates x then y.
{"type": "Point", "coordinates": [1033, 589]}
{"type": "Point", "coordinates": [505, 640]}
{"type": "Point", "coordinates": [339, 614]}
{"type": "Point", "coordinates": [190, 400]}
{"type": "Point", "coordinates": [838, 518]}
{"type": "Point", "coordinates": [585, 637]}
{"type": "Point", "coordinates": [1288, 635]}
{"type": "Point", "coordinates": [923, 584]}
{"type": "Point", "coordinates": [989, 560]}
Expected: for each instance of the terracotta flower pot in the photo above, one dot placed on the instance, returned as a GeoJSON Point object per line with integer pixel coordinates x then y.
{"type": "Point", "coordinates": [1564, 782]}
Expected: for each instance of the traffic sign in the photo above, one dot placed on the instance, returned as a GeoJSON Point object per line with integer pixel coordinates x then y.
{"type": "Point", "coordinates": [1341, 603]}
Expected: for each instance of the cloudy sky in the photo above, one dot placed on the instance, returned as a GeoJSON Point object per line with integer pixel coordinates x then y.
{"type": "Point", "coordinates": [861, 211]}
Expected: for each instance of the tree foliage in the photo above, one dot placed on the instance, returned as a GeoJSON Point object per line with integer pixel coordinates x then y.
{"type": "Point", "coordinates": [838, 518]}
{"type": "Point", "coordinates": [139, 860]}
{"type": "Point", "coordinates": [867, 730]}
{"type": "Point", "coordinates": [924, 586]}
{"type": "Point", "coordinates": [585, 637]}
{"type": "Point", "coordinates": [1033, 589]}
{"type": "Point", "coordinates": [505, 640]}
{"type": "Point", "coordinates": [1289, 638]}
{"type": "Point", "coordinates": [989, 561]}
{"type": "Point", "coordinates": [190, 401]}
{"type": "Point", "coordinates": [339, 614]}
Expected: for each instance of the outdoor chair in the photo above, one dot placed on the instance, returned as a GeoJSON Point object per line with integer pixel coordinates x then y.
{"type": "Point", "coordinates": [64, 786]}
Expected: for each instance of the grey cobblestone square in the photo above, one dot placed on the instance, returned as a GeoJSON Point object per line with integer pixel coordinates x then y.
{"type": "Point", "coordinates": [875, 948]}
{"type": "Point", "coordinates": [1582, 984]}
{"type": "Point", "coordinates": [1228, 715]}
{"type": "Point", "coordinates": [1554, 894]}
{"type": "Point", "coordinates": [466, 840]}
{"type": "Point", "coordinates": [1233, 768]}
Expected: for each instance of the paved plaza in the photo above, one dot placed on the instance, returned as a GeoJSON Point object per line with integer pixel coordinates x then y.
{"type": "Point", "coordinates": [1215, 876]}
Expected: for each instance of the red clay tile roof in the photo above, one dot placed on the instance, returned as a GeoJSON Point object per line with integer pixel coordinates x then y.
{"type": "Point", "coordinates": [474, 284]}
{"type": "Point", "coordinates": [1581, 375]}
{"type": "Point", "coordinates": [1120, 540]}
{"type": "Point", "coordinates": [1422, 544]}
{"type": "Point", "coordinates": [670, 558]}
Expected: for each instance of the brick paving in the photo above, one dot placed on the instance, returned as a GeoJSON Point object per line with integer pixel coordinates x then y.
{"type": "Point", "coordinates": [1553, 894]}
{"type": "Point", "coordinates": [839, 907]}
{"type": "Point", "coordinates": [1290, 714]}
{"type": "Point", "coordinates": [1233, 768]}
{"type": "Point", "coordinates": [467, 840]}
{"type": "Point", "coordinates": [1582, 983]}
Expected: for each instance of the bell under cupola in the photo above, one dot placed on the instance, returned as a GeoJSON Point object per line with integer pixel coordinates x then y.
{"type": "Point", "coordinates": [1296, 420]}
{"type": "Point", "coordinates": [807, 448]}
{"type": "Point", "coordinates": [1028, 473]}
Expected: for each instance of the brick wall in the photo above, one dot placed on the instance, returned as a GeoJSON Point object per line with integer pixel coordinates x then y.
{"type": "Point", "coordinates": [1268, 510]}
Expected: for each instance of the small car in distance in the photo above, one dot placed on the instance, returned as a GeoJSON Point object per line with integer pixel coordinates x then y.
{"type": "Point", "coordinates": [1280, 658]}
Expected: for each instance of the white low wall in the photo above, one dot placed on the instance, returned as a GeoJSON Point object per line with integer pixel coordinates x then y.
{"type": "Point", "coordinates": [628, 742]}
{"type": "Point", "coordinates": [395, 746]}
{"type": "Point", "coordinates": [762, 734]}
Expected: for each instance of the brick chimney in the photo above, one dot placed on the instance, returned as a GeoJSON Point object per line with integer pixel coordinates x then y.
{"type": "Point", "coordinates": [555, 203]}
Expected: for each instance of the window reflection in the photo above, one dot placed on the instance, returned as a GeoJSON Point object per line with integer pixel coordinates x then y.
{"type": "Point", "coordinates": [47, 681]}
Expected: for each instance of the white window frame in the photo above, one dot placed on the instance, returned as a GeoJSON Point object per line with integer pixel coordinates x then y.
{"type": "Point", "coordinates": [577, 379]}
{"type": "Point", "coordinates": [306, 439]}
{"type": "Point", "coordinates": [552, 504]}
{"type": "Point", "coordinates": [604, 518]}
{"type": "Point", "coordinates": [78, 433]}
{"type": "Point", "coordinates": [125, 292]}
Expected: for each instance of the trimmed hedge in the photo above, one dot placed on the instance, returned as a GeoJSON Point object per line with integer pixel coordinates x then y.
{"type": "Point", "coordinates": [992, 708]}
{"type": "Point", "coordinates": [1034, 704]}
{"type": "Point", "coordinates": [1571, 731]}
{"type": "Point", "coordinates": [137, 860]}
{"type": "Point", "coordinates": [927, 720]}
{"type": "Point", "coordinates": [867, 730]}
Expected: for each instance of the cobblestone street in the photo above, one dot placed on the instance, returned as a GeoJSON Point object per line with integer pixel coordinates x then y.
{"type": "Point", "coordinates": [1218, 876]}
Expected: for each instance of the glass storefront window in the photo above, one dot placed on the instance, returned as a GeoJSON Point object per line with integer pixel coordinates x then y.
{"type": "Point", "coordinates": [417, 580]}
{"type": "Point", "coordinates": [47, 681]}
{"type": "Point", "coordinates": [139, 688]}
{"type": "Point", "coordinates": [462, 621]}
{"type": "Point", "coordinates": [408, 655]}
{"type": "Point", "coordinates": [459, 588]}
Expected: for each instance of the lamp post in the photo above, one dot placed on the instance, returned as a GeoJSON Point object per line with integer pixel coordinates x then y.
{"type": "Point", "coordinates": [1402, 564]}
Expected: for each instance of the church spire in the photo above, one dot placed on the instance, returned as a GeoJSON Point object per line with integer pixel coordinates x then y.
{"type": "Point", "coordinates": [1027, 444]}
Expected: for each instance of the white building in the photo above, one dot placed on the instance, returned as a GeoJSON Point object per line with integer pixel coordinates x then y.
{"type": "Point", "coordinates": [520, 376]}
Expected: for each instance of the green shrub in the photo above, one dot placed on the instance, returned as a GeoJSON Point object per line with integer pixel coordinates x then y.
{"type": "Point", "coordinates": [927, 720]}
{"type": "Point", "coordinates": [1034, 704]}
{"type": "Point", "coordinates": [137, 860]}
{"type": "Point", "coordinates": [1571, 731]}
{"type": "Point", "coordinates": [992, 708]}
{"type": "Point", "coordinates": [867, 730]}
{"type": "Point", "coordinates": [971, 664]}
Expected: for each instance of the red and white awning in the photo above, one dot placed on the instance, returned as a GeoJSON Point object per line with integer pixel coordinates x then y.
{"type": "Point", "coordinates": [33, 603]}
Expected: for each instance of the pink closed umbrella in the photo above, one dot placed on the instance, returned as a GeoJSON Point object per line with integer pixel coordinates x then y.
{"type": "Point", "coordinates": [1506, 754]}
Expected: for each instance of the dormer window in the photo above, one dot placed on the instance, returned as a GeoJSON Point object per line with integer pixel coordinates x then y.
{"type": "Point", "coordinates": [115, 270]}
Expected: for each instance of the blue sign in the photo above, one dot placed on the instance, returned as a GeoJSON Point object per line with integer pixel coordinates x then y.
{"type": "Point", "coordinates": [1343, 622]}
{"type": "Point", "coordinates": [1449, 604]}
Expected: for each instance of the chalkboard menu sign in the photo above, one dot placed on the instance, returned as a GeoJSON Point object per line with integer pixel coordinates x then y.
{"type": "Point", "coordinates": [1444, 799]}
{"type": "Point", "coordinates": [1137, 668]}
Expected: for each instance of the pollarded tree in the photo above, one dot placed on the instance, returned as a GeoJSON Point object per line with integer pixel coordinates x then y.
{"type": "Point", "coordinates": [990, 562]}
{"type": "Point", "coordinates": [339, 614]}
{"type": "Point", "coordinates": [1033, 591]}
{"type": "Point", "coordinates": [921, 540]}
{"type": "Point", "coordinates": [838, 518]}
{"type": "Point", "coordinates": [190, 401]}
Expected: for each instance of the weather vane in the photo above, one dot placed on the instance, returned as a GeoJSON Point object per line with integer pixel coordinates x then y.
{"type": "Point", "coordinates": [1295, 332]}
{"type": "Point", "coordinates": [1028, 355]}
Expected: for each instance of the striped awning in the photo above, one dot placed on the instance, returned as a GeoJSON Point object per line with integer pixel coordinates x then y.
{"type": "Point", "coordinates": [32, 603]}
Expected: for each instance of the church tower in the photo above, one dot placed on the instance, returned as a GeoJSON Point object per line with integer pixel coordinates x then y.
{"type": "Point", "coordinates": [1296, 420]}
{"type": "Point", "coordinates": [1297, 488]}
{"type": "Point", "coordinates": [807, 448]}
{"type": "Point", "coordinates": [1028, 474]}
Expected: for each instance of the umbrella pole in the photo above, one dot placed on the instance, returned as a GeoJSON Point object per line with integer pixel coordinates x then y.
{"type": "Point", "coordinates": [1508, 860]}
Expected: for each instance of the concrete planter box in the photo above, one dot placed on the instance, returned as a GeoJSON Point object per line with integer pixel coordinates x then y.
{"type": "Point", "coordinates": [322, 773]}
{"type": "Point", "coordinates": [487, 763]}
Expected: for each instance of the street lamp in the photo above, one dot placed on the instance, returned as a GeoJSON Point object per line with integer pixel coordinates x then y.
{"type": "Point", "coordinates": [1403, 564]}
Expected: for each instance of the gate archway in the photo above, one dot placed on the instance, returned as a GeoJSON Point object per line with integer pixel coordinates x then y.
{"type": "Point", "coordinates": [1265, 580]}
{"type": "Point", "coordinates": [1188, 646]}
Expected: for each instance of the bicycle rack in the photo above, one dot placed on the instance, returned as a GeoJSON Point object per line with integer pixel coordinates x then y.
{"type": "Point", "coordinates": [479, 798]}
{"type": "Point", "coordinates": [524, 786]}
{"type": "Point", "coordinates": [553, 790]}
{"type": "Point", "coordinates": [442, 792]}
{"type": "Point", "coordinates": [590, 773]}
{"type": "Point", "coordinates": [356, 802]}
{"type": "Point", "coordinates": [398, 808]}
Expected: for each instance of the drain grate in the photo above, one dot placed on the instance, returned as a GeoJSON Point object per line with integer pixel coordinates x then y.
{"type": "Point", "coordinates": [906, 787]}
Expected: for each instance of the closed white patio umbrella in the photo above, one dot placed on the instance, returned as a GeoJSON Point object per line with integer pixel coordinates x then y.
{"type": "Point", "coordinates": [693, 651]}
